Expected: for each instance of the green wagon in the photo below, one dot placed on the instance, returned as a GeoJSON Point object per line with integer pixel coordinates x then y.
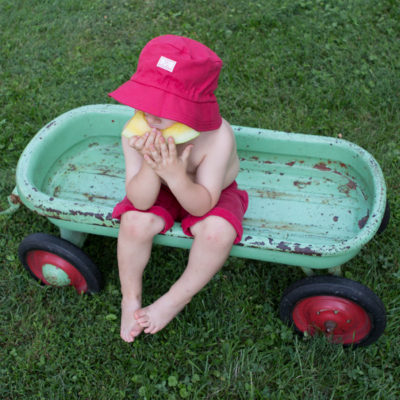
{"type": "Point", "coordinates": [314, 203]}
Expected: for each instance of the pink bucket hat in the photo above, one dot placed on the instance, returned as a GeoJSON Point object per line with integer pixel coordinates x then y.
{"type": "Point", "coordinates": [175, 79]}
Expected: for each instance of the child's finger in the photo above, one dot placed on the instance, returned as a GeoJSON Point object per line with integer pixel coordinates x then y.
{"type": "Point", "coordinates": [158, 140]}
{"type": "Point", "coordinates": [155, 154]}
{"type": "Point", "coordinates": [172, 147]}
{"type": "Point", "coordinates": [138, 142]}
{"type": "Point", "coordinates": [186, 152]}
{"type": "Point", "coordinates": [150, 138]}
{"type": "Point", "coordinates": [163, 148]}
{"type": "Point", "coordinates": [149, 161]}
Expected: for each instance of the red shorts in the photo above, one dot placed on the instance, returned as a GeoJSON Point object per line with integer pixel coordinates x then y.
{"type": "Point", "coordinates": [231, 206]}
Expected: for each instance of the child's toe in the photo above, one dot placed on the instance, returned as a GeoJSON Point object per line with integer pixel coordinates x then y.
{"type": "Point", "coordinates": [126, 337]}
{"type": "Point", "coordinates": [135, 332]}
{"type": "Point", "coordinates": [140, 314]}
{"type": "Point", "coordinates": [150, 330]}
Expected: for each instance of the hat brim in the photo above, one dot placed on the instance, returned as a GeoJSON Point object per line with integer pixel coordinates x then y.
{"type": "Point", "coordinates": [200, 116]}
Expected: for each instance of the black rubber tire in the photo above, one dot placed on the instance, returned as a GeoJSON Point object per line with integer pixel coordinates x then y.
{"type": "Point", "coordinates": [64, 250]}
{"type": "Point", "coordinates": [341, 288]}
{"type": "Point", "coordinates": [385, 219]}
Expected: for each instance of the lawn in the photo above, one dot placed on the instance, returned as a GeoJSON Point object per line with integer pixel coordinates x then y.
{"type": "Point", "coordinates": [320, 67]}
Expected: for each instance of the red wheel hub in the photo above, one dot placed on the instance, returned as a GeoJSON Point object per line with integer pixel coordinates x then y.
{"type": "Point", "coordinates": [342, 320]}
{"type": "Point", "coordinates": [37, 260]}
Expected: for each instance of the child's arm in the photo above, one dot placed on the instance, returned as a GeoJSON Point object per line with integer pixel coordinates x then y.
{"type": "Point", "coordinates": [142, 184]}
{"type": "Point", "coordinates": [200, 195]}
{"type": "Point", "coordinates": [196, 196]}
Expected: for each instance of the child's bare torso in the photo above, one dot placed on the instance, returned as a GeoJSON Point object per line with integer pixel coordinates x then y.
{"type": "Point", "coordinates": [208, 149]}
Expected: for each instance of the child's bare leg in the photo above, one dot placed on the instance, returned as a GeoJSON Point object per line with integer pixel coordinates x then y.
{"type": "Point", "coordinates": [213, 239]}
{"type": "Point", "coordinates": [134, 248]}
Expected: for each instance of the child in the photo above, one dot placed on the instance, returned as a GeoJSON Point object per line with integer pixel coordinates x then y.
{"type": "Point", "coordinates": [193, 182]}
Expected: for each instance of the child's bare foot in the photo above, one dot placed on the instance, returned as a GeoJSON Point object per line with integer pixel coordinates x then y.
{"type": "Point", "coordinates": [129, 326]}
{"type": "Point", "coordinates": [157, 315]}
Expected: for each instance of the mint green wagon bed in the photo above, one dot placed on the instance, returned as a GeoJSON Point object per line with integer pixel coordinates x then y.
{"type": "Point", "coordinates": [314, 203]}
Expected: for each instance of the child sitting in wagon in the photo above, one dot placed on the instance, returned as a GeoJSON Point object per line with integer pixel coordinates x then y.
{"type": "Point", "coordinates": [191, 182]}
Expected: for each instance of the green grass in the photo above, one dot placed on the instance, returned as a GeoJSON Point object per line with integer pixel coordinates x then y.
{"type": "Point", "coordinates": [318, 67]}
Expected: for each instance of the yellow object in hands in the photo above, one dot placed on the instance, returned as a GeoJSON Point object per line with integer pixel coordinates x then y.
{"type": "Point", "coordinates": [138, 126]}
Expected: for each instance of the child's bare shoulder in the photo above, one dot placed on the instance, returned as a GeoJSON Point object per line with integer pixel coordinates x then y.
{"type": "Point", "coordinates": [223, 142]}
{"type": "Point", "coordinates": [221, 139]}
{"type": "Point", "coordinates": [226, 130]}
{"type": "Point", "coordinates": [213, 147]}
{"type": "Point", "coordinates": [218, 156]}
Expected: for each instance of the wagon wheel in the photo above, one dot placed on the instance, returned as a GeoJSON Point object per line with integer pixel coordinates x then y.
{"type": "Point", "coordinates": [57, 262]}
{"type": "Point", "coordinates": [345, 311]}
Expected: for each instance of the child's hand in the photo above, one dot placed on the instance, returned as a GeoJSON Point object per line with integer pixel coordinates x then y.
{"type": "Point", "coordinates": [164, 159]}
{"type": "Point", "coordinates": [142, 144]}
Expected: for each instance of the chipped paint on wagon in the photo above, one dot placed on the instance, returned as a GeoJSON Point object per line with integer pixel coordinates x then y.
{"type": "Point", "coordinates": [301, 185]}
{"type": "Point", "coordinates": [50, 124]}
{"type": "Point", "coordinates": [322, 167]}
{"type": "Point", "coordinates": [88, 217]}
{"type": "Point", "coordinates": [92, 197]}
{"type": "Point", "coordinates": [346, 188]}
{"type": "Point", "coordinates": [306, 250]}
{"type": "Point", "coordinates": [363, 221]}
{"type": "Point", "coordinates": [283, 246]}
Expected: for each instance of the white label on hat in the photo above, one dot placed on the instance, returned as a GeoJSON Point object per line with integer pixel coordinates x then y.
{"type": "Point", "coordinates": [166, 63]}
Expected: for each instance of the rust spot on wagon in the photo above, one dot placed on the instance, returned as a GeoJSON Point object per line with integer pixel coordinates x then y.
{"type": "Point", "coordinates": [305, 250]}
{"type": "Point", "coordinates": [98, 216]}
{"type": "Point", "coordinates": [107, 172]}
{"type": "Point", "coordinates": [283, 246]}
{"type": "Point", "coordinates": [48, 210]}
{"type": "Point", "coordinates": [350, 185]}
{"type": "Point", "coordinates": [301, 185]}
{"type": "Point", "coordinates": [258, 244]}
{"type": "Point", "coordinates": [270, 194]}
{"type": "Point", "coordinates": [50, 124]}
{"type": "Point", "coordinates": [322, 167]}
{"type": "Point", "coordinates": [92, 197]}
{"type": "Point", "coordinates": [109, 217]}
{"type": "Point", "coordinates": [15, 199]}
{"type": "Point", "coordinates": [363, 221]}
